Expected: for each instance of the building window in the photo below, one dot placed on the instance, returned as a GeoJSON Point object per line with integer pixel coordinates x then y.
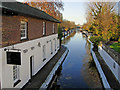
{"type": "Point", "coordinates": [15, 73]}
{"type": "Point", "coordinates": [44, 28]}
{"type": "Point", "coordinates": [53, 28]}
{"type": "Point", "coordinates": [44, 53]}
{"type": "Point", "coordinates": [55, 44]}
{"type": "Point", "coordinates": [32, 65]}
{"type": "Point", "coordinates": [51, 47]}
{"type": "Point", "coordinates": [23, 29]}
{"type": "Point", "coordinates": [114, 65]}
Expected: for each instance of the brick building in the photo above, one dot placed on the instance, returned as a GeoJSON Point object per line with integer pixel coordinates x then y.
{"type": "Point", "coordinates": [29, 41]}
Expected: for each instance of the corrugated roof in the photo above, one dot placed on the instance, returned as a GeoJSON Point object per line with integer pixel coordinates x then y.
{"type": "Point", "coordinates": [28, 10]}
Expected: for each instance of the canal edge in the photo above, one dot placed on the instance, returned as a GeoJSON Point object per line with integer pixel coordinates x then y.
{"type": "Point", "coordinates": [99, 68]}
{"type": "Point", "coordinates": [64, 37]}
{"type": "Point", "coordinates": [53, 71]}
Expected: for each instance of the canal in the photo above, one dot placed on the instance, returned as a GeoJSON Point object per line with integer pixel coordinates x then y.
{"type": "Point", "coordinates": [78, 70]}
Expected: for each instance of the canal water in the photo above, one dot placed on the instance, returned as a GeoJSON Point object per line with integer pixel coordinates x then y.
{"type": "Point", "coordinates": [76, 70]}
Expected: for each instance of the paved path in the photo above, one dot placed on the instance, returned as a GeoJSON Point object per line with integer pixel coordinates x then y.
{"type": "Point", "coordinates": [41, 76]}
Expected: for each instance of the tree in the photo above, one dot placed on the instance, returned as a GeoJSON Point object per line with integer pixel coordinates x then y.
{"type": "Point", "coordinates": [102, 20]}
{"type": "Point", "coordinates": [51, 7]}
{"type": "Point", "coordinates": [68, 24]}
{"type": "Point", "coordinates": [60, 33]}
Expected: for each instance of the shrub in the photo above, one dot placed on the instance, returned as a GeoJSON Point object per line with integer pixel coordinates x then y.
{"type": "Point", "coordinates": [119, 40]}
{"type": "Point", "coordinates": [96, 40]}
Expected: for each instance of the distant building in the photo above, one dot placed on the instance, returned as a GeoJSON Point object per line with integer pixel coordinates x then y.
{"type": "Point", "coordinates": [29, 41]}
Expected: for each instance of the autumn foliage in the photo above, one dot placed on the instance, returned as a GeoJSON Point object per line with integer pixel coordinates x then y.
{"type": "Point", "coordinates": [67, 24]}
{"type": "Point", "coordinates": [102, 19]}
{"type": "Point", "coordinates": [51, 7]}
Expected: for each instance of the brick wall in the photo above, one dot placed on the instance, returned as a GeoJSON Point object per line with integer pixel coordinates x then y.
{"type": "Point", "coordinates": [11, 29]}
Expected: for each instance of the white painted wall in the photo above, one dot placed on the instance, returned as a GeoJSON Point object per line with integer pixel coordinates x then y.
{"type": "Point", "coordinates": [0, 47]}
{"type": "Point", "coordinates": [24, 68]}
{"type": "Point", "coordinates": [110, 62]}
{"type": "Point", "coordinates": [0, 66]}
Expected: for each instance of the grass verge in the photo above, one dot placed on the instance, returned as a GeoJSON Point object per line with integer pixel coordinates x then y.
{"type": "Point", "coordinates": [116, 47]}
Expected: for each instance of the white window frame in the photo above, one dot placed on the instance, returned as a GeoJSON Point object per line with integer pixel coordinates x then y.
{"type": "Point", "coordinates": [24, 30]}
{"type": "Point", "coordinates": [53, 28]}
{"type": "Point", "coordinates": [15, 73]}
{"type": "Point", "coordinates": [44, 28]}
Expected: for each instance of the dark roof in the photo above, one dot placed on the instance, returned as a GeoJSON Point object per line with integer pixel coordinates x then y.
{"type": "Point", "coordinates": [27, 10]}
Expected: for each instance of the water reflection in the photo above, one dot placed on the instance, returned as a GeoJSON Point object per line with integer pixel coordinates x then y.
{"type": "Point", "coordinates": [89, 70]}
{"type": "Point", "coordinates": [68, 38]}
{"type": "Point", "coordinates": [75, 71]}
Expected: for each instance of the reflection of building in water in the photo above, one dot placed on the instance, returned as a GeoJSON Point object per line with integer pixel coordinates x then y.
{"type": "Point", "coordinates": [67, 39]}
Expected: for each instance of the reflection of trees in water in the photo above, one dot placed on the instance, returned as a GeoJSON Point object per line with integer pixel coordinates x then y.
{"type": "Point", "coordinates": [83, 36]}
{"type": "Point", "coordinates": [90, 71]}
{"type": "Point", "coordinates": [72, 34]}
{"type": "Point", "coordinates": [88, 51]}
{"type": "Point", "coordinates": [87, 46]}
{"type": "Point", "coordinates": [67, 39]}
